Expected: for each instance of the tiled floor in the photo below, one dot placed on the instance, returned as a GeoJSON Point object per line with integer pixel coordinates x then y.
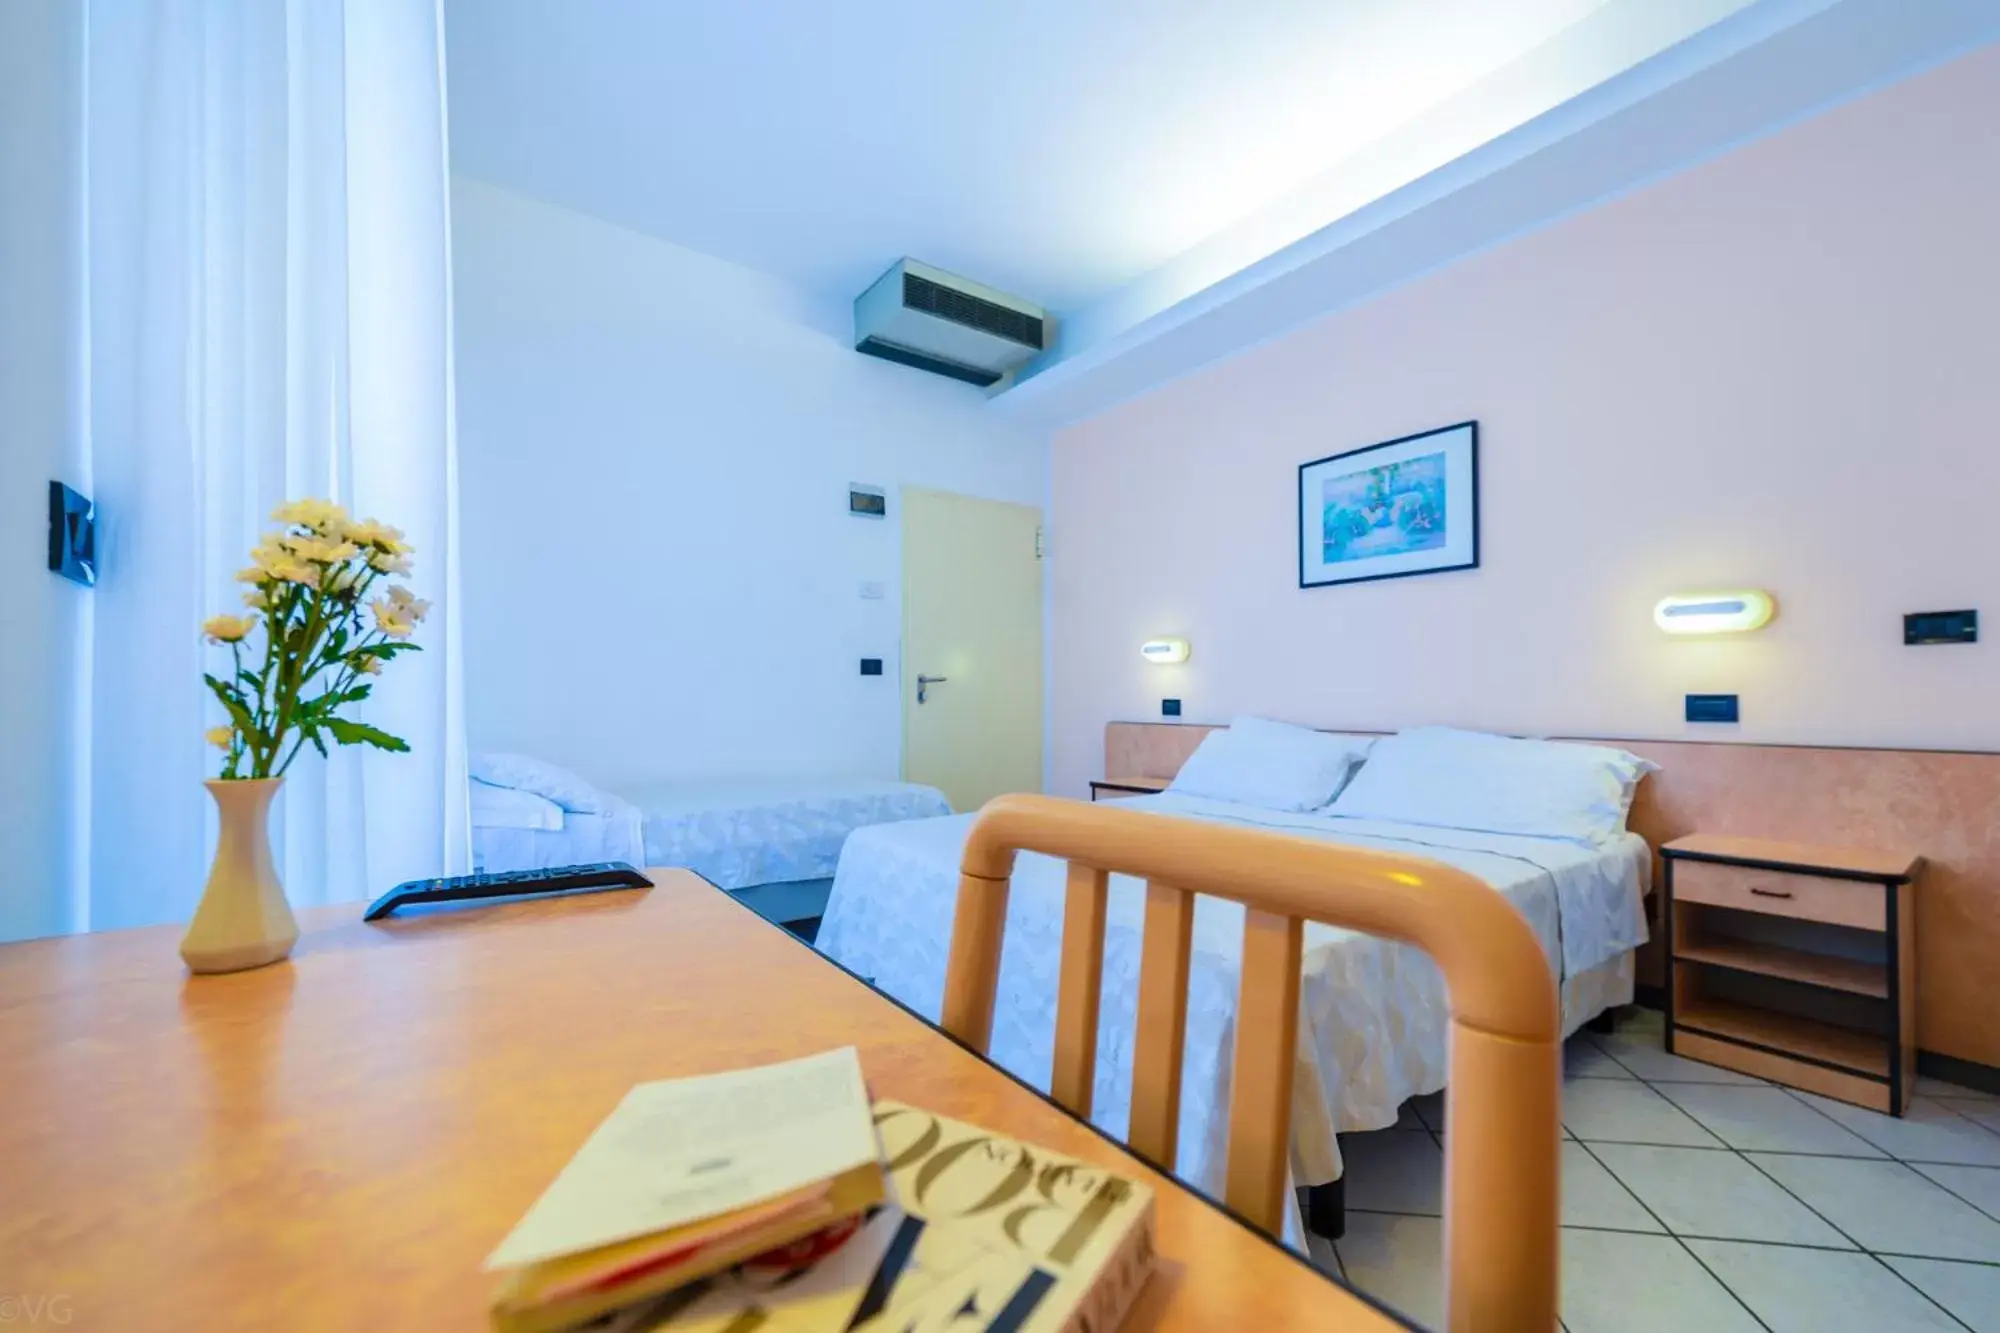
{"type": "Point", "coordinates": [1696, 1198]}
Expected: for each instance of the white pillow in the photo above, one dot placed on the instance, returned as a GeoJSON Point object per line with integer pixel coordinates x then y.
{"type": "Point", "coordinates": [509, 807]}
{"type": "Point", "coordinates": [524, 773]}
{"type": "Point", "coordinates": [1444, 778]}
{"type": "Point", "coordinates": [1271, 765]}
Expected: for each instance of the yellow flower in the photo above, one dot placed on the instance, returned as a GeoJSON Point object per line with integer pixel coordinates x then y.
{"type": "Point", "coordinates": [408, 605]}
{"type": "Point", "coordinates": [220, 737]}
{"type": "Point", "coordinates": [370, 533]}
{"type": "Point", "coordinates": [384, 563]}
{"type": "Point", "coordinates": [317, 551]}
{"type": "Point", "coordinates": [322, 516]}
{"type": "Point", "coordinates": [297, 571]}
{"type": "Point", "coordinates": [254, 574]}
{"type": "Point", "coordinates": [369, 666]}
{"type": "Point", "coordinates": [391, 619]}
{"type": "Point", "coordinates": [227, 629]}
{"type": "Point", "coordinates": [270, 553]}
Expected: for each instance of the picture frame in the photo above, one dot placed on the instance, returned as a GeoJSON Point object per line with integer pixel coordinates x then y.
{"type": "Point", "coordinates": [1392, 510]}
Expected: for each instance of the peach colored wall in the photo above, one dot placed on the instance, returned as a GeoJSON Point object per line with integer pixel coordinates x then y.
{"type": "Point", "coordinates": [1780, 368]}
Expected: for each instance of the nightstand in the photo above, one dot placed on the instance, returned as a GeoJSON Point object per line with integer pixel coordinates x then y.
{"type": "Point", "coordinates": [1127, 786]}
{"type": "Point", "coordinates": [1795, 963]}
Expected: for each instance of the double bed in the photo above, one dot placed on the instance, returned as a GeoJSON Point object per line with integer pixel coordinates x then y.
{"type": "Point", "coordinates": [1373, 1012]}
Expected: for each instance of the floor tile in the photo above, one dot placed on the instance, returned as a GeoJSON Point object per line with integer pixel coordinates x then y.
{"type": "Point", "coordinates": [1977, 1185]}
{"type": "Point", "coordinates": [1645, 1054]}
{"type": "Point", "coordinates": [1642, 1020]}
{"type": "Point", "coordinates": [1387, 1172]}
{"type": "Point", "coordinates": [1324, 1257]}
{"type": "Point", "coordinates": [1937, 1087]}
{"type": "Point", "coordinates": [1613, 1282]}
{"type": "Point", "coordinates": [1970, 1291]}
{"type": "Point", "coordinates": [1583, 1058]}
{"type": "Point", "coordinates": [1616, 1111]}
{"type": "Point", "coordinates": [1717, 1194]}
{"type": "Point", "coordinates": [1818, 1291]}
{"type": "Point", "coordinates": [1430, 1109]}
{"type": "Point", "coordinates": [1928, 1132]}
{"type": "Point", "coordinates": [1764, 1120]}
{"type": "Point", "coordinates": [1592, 1196]}
{"type": "Point", "coordinates": [1407, 1118]}
{"type": "Point", "coordinates": [1887, 1206]}
{"type": "Point", "coordinates": [1986, 1113]}
{"type": "Point", "coordinates": [1399, 1261]}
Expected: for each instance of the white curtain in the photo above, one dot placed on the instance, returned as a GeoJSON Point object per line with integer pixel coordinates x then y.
{"type": "Point", "coordinates": [270, 315]}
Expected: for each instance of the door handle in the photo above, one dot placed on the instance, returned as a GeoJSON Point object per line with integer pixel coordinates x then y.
{"type": "Point", "coordinates": [924, 682]}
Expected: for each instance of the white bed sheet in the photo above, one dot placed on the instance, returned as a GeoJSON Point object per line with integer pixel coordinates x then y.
{"type": "Point", "coordinates": [738, 834]}
{"type": "Point", "coordinates": [583, 839]}
{"type": "Point", "coordinates": [1374, 1023]}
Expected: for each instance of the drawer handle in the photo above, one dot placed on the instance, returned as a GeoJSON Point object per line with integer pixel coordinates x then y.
{"type": "Point", "coordinates": [1770, 893]}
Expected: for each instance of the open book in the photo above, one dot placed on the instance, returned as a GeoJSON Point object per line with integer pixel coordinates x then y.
{"type": "Point", "coordinates": [778, 1200]}
{"type": "Point", "coordinates": [982, 1233]}
{"type": "Point", "coordinates": [688, 1177]}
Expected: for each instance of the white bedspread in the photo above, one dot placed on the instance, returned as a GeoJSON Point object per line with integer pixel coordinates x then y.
{"type": "Point", "coordinates": [1374, 1020]}
{"type": "Point", "coordinates": [736, 834]}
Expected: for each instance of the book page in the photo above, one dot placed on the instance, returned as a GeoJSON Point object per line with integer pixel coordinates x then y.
{"type": "Point", "coordinates": [682, 1150]}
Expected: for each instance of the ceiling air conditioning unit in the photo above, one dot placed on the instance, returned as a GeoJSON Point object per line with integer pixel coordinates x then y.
{"type": "Point", "coordinates": [924, 317]}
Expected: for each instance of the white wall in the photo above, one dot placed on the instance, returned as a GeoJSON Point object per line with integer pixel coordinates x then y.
{"type": "Point", "coordinates": [655, 446]}
{"type": "Point", "coordinates": [43, 758]}
{"type": "Point", "coordinates": [1779, 369]}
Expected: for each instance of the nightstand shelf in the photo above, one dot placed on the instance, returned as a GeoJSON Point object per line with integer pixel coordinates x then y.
{"type": "Point", "coordinates": [1775, 960]}
{"type": "Point", "coordinates": [1795, 963]}
{"type": "Point", "coordinates": [1787, 1035]}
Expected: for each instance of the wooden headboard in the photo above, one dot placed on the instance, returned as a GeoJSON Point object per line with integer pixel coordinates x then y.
{"type": "Point", "coordinates": [1944, 805]}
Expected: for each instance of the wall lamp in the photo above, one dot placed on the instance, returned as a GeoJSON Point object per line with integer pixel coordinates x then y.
{"type": "Point", "coordinates": [1733, 612]}
{"type": "Point", "coordinates": [1164, 652]}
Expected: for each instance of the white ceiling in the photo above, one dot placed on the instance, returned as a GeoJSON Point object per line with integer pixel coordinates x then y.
{"type": "Point", "coordinates": [1177, 179]}
{"type": "Point", "coordinates": [1057, 149]}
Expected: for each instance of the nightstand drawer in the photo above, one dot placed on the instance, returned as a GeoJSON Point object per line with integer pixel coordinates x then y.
{"type": "Point", "coordinates": [1781, 893]}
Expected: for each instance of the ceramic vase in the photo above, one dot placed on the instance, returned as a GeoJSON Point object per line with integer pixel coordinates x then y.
{"type": "Point", "coordinates": [243, 920]}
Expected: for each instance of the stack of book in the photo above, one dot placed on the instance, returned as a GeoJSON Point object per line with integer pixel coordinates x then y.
{"type": "Point", "coordinates": [780, 1199]}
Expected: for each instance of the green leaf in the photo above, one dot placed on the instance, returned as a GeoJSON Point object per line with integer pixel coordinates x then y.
{"type": "Point", "coordinates": [360, 733]}
{"type": "Point", "coordinates": [238, 713]}
{"type": "Point", "coordinates": [386, 649]}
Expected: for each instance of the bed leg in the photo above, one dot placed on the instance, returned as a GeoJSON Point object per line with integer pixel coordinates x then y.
{"type": "Point", "coordinates": [1326, 1209]}
{"type": "Point", "coordinates": [1606, 1022]}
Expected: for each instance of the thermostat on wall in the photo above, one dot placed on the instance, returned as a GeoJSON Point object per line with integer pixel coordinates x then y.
{"type": "Point", "coordinates": [866, 501]}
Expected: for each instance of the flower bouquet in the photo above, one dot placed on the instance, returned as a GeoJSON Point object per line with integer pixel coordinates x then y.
{"type": "Point", "coordinates": [329, 620]}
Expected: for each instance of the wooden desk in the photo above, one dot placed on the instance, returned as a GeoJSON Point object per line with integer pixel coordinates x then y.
{"type": "Point", "coordinates": [337, 1142]}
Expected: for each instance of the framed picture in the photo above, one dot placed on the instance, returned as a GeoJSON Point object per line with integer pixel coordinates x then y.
{"type": "Point", "coordinates": [1402, 507]}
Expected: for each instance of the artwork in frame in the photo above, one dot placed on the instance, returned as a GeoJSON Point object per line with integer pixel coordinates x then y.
{"type": "Point", "coordinates": [1405, 506]}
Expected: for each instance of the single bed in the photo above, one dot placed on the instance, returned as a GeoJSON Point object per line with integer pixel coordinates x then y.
{"type": "Point", "coordinates": [772, 843]}
{"type": "Point", "coordinates": [1374, 1016]}
{"type": "Point", "coordinates": [743, 833]}
{"type": "Point", "coordinates": [514, 829]}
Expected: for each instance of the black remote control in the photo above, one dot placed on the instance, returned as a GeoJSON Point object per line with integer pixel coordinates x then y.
{"type": "Point", "coordinates": [511, 884]}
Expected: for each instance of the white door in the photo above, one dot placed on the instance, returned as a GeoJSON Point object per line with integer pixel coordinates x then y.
{"type": "Point", "coordinates": [972, 646]}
